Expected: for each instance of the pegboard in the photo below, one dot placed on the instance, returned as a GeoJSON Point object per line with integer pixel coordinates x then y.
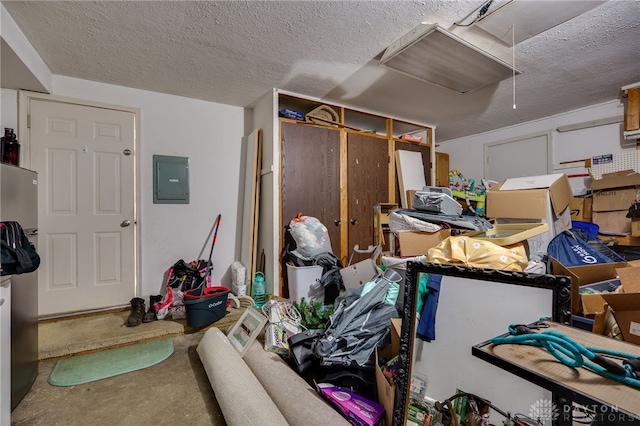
{"type": "Point", "coordinates": [610, 163]}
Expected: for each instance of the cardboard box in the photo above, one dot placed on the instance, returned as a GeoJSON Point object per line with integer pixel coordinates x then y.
{"type": "Point", "coordinates": [418, 243]}
{"type": "Point", "coordinates": [534, 199]}
{"type": "Point", "coordinates": [635, 226]}
{"type": "Point", "coordinates": [630, 278]}
{"type": "Point", "coordinates": [626, 310]}
{"type": "Point", "coordinates": [411, 193]}
{"type": "Point", "coordinates": [593, 303]}
{"type": "Point", "coordinates": [580, 208]}
{"type": "Point", "coordinates": [626, 305]}
{"type": "Point", "coordinates": [612, 197]}
{"type": "Point", "coordinates": [608, 200]}
{"type": "Point", "coordinates": [587, 274]}
{"type": "Point", "coordinates": [616, 221]}
{"type": "Point", "coordinates": [621, 179]}
{"type": "Point", "coordinates": [386, 390]}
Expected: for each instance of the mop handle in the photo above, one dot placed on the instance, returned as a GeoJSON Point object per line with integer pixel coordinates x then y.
{"type": "Point", "coordinates": [215, 236]}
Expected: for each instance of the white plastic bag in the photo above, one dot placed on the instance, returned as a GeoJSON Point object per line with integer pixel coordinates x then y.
{"type": "Point", "coordinates": [238, 279]}
{"type": "Point", "coordinates": [311, 236]}
{"type": "Point", "coordinates": [171, 305]}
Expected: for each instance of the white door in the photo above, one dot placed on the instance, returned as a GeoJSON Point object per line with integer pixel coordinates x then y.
{"type": "Point", "coordinates": [85, 160]}
{"type": "Point", "coordinates": [520, 157]}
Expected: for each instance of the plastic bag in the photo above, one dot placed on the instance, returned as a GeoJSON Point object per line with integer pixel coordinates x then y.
{"type": "Point", "coordinates": [181, 277]}
{"type": "Point", "coordinates": [310, 235]}
{"type": "Point", "coordinates": [477, 253]}
{"type": "Point", "coordinates": [171, 305]}
{"type": "Point", "coordinates": [574, 249]}
{"type": "Point", "coordinates": [238, 279]}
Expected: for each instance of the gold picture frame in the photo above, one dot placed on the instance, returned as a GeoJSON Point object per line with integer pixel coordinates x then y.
{"type": "Point", "coordinates": [246, 329]}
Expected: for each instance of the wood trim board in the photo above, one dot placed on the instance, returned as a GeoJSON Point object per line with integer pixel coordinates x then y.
{"type": "Point", "coordinates": [251, 205]}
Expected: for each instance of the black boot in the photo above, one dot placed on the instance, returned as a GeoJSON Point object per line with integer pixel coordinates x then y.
{"type": "Point", "coordinates": [137, 312]}
{"type": "Point", "coordinates": [151, 313]}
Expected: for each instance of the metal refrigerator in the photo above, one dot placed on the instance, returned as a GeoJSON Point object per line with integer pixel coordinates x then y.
{"type": "Point", "coordinates": [19, 203]}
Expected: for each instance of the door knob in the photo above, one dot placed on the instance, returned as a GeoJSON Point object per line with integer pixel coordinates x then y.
{"type": "Point", "coordinates": [337, 222]}
{"type": "Point", "coordinates": [125, 223]}
{"type": "Point", "coordinates": [354, 221]}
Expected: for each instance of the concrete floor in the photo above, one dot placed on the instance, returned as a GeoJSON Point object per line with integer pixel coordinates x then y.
{"type": "Point", "coordinates": [175, 391]}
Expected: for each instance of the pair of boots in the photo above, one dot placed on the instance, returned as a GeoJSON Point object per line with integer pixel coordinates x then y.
{"type": "Point", "coordinates": [138, 315]}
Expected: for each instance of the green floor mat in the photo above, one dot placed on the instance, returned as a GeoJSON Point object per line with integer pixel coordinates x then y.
{"type": "Point", "coordinates": [112, 362]}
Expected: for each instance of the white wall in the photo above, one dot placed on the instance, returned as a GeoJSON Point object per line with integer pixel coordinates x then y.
{"type": "Point", "coordinates": [9, 110]}
{"type": "Point", "coordinates": [40, 77]}
{"type": "Point", "coordinates": [467, 154]}
{"type": "Point", "coordinates": [211, 135]}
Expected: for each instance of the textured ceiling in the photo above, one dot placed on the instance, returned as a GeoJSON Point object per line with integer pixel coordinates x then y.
{"type": "Point", "coordinates": [235, 52]}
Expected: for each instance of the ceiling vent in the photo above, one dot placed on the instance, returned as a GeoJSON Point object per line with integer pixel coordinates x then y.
{"type": "Point", "coordinates": [435, 55]}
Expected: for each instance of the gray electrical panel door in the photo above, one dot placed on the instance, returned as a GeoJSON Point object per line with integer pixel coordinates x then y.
{"type": "Point", "coordinates": [170, 180]}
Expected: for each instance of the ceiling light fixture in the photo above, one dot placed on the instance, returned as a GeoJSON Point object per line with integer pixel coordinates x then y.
{"type": "Point", "coordinates": [531, 17]}
{"type": "Point", "coordinates": [435, 55]}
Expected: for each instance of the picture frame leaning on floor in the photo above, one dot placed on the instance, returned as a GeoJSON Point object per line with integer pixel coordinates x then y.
{"type": "Point", "coordinates": [246, 329]}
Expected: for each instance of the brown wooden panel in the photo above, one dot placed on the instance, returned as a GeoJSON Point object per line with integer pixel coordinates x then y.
{"type": "Point", "coordinates": [367, 185]}
{"type": "Point", "coordinates": [426, 160]}
{"type": "Point", "coordinates": [632, 117]}
{"type": "Point", "coordinates": [442, 169]}
{"type": "Point", "coordinates": [311, 175]}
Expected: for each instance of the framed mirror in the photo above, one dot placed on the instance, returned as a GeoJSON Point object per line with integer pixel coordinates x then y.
{"type": "Point", "coordinates": [473, 305]}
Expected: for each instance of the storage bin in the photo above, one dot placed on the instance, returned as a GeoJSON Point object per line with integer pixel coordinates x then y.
{"type": "Point", "coordinates": [590, 228]}
{"type": "Point", "coordinates": [303, 281]}
{"type": "Point", "coordinates": [582, 322]}
{"type": "Point", "coordinates": [205, 306]}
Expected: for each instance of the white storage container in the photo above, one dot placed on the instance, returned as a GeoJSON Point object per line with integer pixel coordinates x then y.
{"type": "Point", "coordinates": [304, 282]}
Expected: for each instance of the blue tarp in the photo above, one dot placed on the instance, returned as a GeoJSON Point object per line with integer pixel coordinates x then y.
{"type": "Point", "coordinates": [572, 250]}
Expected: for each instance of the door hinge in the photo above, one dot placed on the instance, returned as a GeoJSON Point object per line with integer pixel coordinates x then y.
{"type": "Point", "coordinates": [29, 121]}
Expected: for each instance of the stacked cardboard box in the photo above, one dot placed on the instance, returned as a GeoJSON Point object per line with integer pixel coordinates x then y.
{"type": "Point", "coordinates": [414, 243]}
{"type": "Point", "coordinates": [581, 209]}
{"type": "Point", "coordinates": [612, 197]}
{"type": "Point", "coordinates": [537, 199]}
{"type": "Point", "coordinates": [626, 305]}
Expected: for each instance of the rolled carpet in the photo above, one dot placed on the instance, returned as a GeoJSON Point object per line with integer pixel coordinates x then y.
{"type": "Point", "coordinates": [297, 401]}
{"type": "Point", "coordinates": [241, 397]}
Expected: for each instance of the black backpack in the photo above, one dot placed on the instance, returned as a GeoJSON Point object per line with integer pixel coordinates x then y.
{"type": "Point", "coordinates": [17, 254]}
